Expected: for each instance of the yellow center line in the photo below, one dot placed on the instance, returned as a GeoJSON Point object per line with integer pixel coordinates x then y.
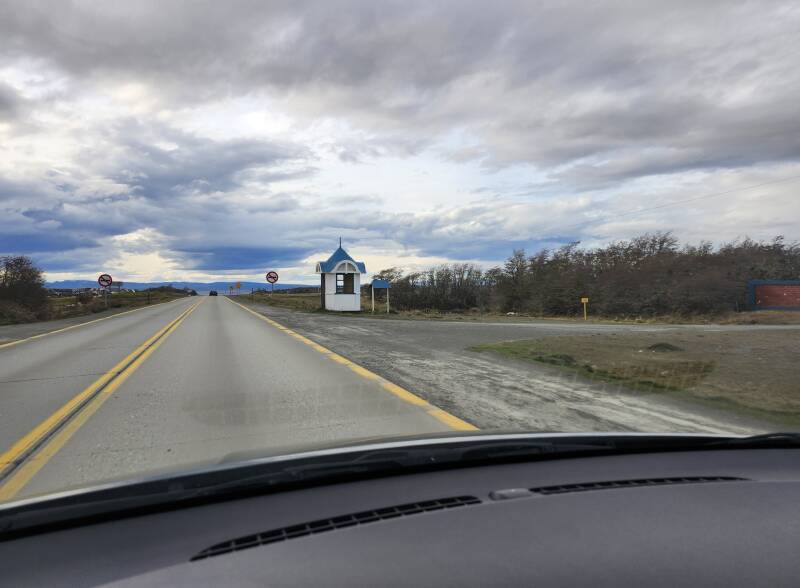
{"type": "Point", "coordinates": [63, 423]}
{"type": "Point", "coordinates": [442, 416]}
{"type": "Point", "coordinates": [69, 328]}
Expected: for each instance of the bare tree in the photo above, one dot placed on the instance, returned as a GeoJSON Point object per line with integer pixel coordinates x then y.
{"type": "Point", "coordinates": [21, 282]}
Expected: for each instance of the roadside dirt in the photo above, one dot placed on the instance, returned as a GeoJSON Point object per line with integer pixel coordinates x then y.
{"type": "Point", "coordinates": [754, 372]}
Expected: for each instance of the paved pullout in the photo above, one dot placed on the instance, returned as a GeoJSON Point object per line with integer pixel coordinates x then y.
{"type": "Point", "coordinates": [226, 382]}
{"type": "Point", "coordinates": [431, 359]}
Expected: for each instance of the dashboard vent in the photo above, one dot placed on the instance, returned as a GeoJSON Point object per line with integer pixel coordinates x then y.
{"type": "Point", "coordinates": [323, 525]}
{"type": "Point", "coordinates": [589, 486]}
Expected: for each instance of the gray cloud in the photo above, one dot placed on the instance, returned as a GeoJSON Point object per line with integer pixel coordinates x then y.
{"type": "Point", "coordinates": [194, 186]}
{"type": "Point", "coordinates": [191, 163]}
{"type": "Point", "coordinates": [9, 102]}
{"type": "Point", "coordinates": [592, 95]}
{"type": "Point", "coordinates": [548, 85]}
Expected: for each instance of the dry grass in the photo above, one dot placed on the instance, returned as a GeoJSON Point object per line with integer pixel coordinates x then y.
{"type": "Point", "coordinates": [68, 306]}
{"type": "Point", "coordinates": [753, 372]}
{"type": "Point", "coordinates": [763, 317]}
{"type": "Point", "coordinates": [310, 302]}
{"type": "Point", "coordinates": [304, 302]}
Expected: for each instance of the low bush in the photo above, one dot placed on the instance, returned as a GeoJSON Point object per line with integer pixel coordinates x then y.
{"type": "Point", "coordinates": [84, 297]}
{"type": "Point", "coordinates": [11, 312]}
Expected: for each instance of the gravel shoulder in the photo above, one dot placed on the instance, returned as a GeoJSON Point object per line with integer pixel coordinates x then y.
{"type": "Point", "coordinates": [431, 358]}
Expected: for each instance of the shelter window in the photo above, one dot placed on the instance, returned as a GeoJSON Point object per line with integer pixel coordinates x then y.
{"type": "Point", "coordinates": [345, 284]}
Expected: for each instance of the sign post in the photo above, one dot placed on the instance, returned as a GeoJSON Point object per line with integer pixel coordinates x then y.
{"type": "Point", "coordinates": [105, 282]}
{"type": "Point", "coordinates": [272, 277]}
{"type": "Point", "coordinates": [380, 284]}
{"type": "Point", "coordinates": [585, 302]}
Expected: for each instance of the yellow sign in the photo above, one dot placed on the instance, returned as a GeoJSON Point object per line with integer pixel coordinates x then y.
{"type": "Point", "coordinates": [584, 300]}
{"type": "Point", "coordinates": [238, 285]}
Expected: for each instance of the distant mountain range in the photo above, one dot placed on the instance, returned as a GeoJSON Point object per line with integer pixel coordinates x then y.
{"type": "Point", "coordinates": [199, 286]}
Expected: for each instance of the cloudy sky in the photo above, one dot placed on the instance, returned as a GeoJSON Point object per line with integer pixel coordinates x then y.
{"type": "Point", "coordinates": [205, 140]}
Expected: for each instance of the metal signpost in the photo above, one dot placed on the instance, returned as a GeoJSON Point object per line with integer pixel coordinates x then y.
{"type": "Point", "coordinates": [272, 277]}
{"type": "Point", "coordinates": [585, 302]}
{"type": "Point", "coordinates": [105, 282]}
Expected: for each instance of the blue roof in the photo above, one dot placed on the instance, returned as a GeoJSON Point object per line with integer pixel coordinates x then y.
{"type": "Point", "coordinates": [339, 256]}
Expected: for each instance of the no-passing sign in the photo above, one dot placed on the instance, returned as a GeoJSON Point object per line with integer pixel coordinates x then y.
{"type": "Point", "coordinates": [272, 277]}
{"type": "Point", "coordinates": [105, 280]}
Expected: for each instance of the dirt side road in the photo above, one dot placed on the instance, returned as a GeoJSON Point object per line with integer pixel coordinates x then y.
{"type": "Point", "coordinates": [431, 359]}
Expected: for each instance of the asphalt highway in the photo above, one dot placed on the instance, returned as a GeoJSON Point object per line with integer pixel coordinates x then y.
{"type": "Point", "coordinates": [181, 384]}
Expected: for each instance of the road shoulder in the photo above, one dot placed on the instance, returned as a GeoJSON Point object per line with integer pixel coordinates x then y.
{"type": "Point", "coordinates": [19, 332]}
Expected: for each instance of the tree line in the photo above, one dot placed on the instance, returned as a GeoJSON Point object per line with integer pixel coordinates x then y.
{"type": "Point", "coordinates": [650, 275]}
{"type": "Point", "coordinates": [24, 298]}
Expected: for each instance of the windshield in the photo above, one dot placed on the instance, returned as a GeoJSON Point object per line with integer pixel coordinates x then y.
{"type": "Point", "coordinates": [240, 229]}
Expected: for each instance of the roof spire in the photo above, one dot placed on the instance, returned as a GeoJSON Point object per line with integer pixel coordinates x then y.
{"type": "Point", "coordinates": [340, 241]}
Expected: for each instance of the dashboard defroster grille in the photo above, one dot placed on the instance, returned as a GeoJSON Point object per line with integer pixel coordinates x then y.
{"type": "Point", "coordinates": [614, 484]}
{"type": "Point", "coordinates": [331, 524]}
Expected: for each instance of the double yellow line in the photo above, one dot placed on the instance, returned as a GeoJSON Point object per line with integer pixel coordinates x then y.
{"type": "Point", "coordinates": [28, 455]}
{"type": "Point", "coordinates": [440, 415]}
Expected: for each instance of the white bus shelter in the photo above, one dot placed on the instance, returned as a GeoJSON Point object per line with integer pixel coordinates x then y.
{"type": "Point", "coordinates": [340, 281]}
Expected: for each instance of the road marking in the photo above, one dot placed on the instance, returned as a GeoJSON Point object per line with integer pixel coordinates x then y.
{"type": "Point", "coordinates": [442, 416]}
{"type": "Point", "coordinates": [105, 318]}
{"type": "Point", "coordinates": [28, 455]}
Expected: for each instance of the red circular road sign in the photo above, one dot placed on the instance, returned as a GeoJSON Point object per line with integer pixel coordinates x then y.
{"type": "Point", "coordinates": [105, 280]}
{"type": "Point", "coordinates": [272, 277]}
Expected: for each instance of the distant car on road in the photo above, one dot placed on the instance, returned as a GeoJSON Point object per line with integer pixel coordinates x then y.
{"type": "Point", "coordinates": [212, 293]}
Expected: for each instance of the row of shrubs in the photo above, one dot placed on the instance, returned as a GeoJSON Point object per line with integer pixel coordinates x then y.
{"type": "Point", "coordinates": [651, 275]}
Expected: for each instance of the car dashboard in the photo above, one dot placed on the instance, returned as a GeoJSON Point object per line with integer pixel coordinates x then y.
{"type": "Point", "coordinates": [711, 518]}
